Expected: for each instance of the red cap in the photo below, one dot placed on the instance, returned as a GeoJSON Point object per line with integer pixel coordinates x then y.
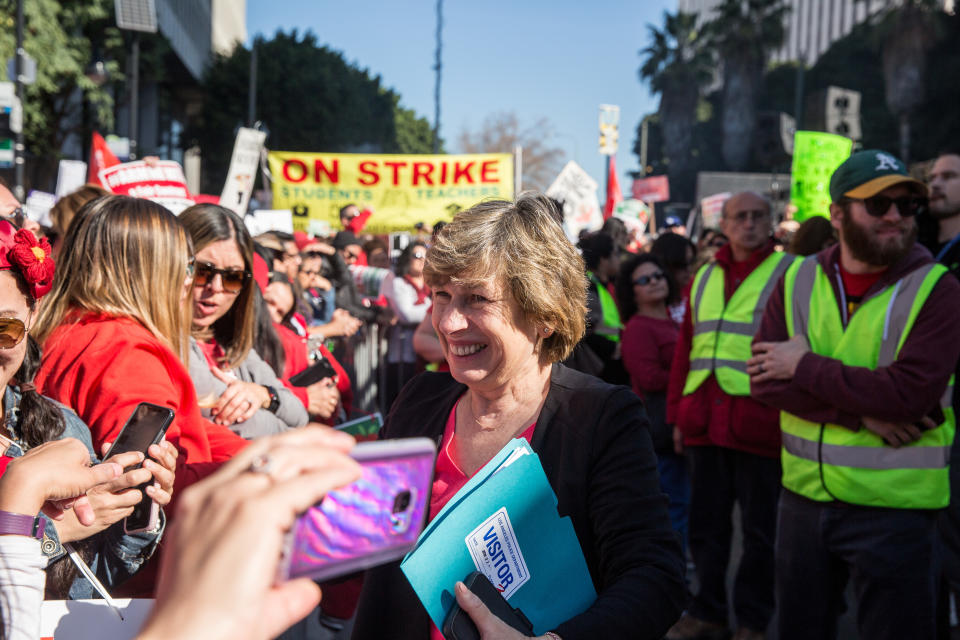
{"type": "Point", "coordinates": [302, 239]}
{"type": "Point", "coordinates": [21, 251]}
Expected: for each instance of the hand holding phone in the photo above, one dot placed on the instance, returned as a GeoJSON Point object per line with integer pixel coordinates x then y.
{"type": "Point", "coordinates": [460, 625]}
{"type": "Point", "coordinates": [145, 427]}
{"type": "Point", "coordinates": [371, 521]}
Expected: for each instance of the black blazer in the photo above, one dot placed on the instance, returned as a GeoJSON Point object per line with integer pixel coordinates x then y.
{"type": "Point", "coordinates": [595, 448]}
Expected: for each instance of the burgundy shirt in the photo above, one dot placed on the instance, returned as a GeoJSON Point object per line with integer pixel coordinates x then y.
{"type": "Point", "coordinates": [646, 348]}
{"type": "Point", "coordinates": [826, 390]}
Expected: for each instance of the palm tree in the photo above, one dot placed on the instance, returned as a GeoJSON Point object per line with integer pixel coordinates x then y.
{"type": "Point", "coordinates": [906, 31]}
{"type": "Point", "coordinates": [676, 65]}
{"type": "Point", "coordinates": [742, 34]}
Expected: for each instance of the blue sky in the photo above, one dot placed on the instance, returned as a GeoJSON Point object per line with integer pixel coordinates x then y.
{"type": "Point", "coordinates": [558, 59]}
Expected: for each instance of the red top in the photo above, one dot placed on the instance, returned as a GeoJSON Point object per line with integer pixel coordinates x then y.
{"type": "Point", "coordinates": [295, 361]}
{"type": "Point", "coordinates": [448, 478]}
{"type": "Point", "coordinates": [102, 367]}
{"type": "Point", "coordinates": [710, 416]}
{"type": "Point", "coordinates": [646, 348]}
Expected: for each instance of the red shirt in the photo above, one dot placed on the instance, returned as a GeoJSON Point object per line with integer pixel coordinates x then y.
{"type": "Point", "coordinates": [448, 478]}
{"type": "Point", "coordinates": [102, 367]}
{"type": "Point", "coordinates": [295, 361]}
{"type": "Point", "coordinates": [646, 348]}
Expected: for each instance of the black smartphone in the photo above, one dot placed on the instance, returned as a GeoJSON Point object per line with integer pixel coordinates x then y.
{"type": "Point", "coordinates": [459, 626]}
{"type": "Point", "coordinates": [314, 373]}
{"type": "Point", "coordinates": [146, 426]}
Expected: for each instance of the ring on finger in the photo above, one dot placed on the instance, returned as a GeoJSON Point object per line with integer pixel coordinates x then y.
{"type": "Point", "coordinates": [261, 464]}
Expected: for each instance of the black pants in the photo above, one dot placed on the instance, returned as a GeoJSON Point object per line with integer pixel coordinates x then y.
{"type": "Point", "coordinates": [889, 554]}
{"type": "Point", "coordinates": [722, 477]}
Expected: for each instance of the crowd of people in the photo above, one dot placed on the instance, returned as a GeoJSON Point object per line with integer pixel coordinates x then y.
{"type": "Point", "coordinates": [804, 383]}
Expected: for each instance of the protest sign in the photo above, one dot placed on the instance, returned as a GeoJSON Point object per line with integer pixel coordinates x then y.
{"type": "Point", "coordinates": [264, 220]}
{"type": "Point", "coordinates": [243, 170]}
{"type": "Point", "coordinates": [711, 207]}
{"type": "Point", "coordinates": [92, 619]}
{"type": "Point", "coordinates": [71, 175]}
{"type": "Point", "coordinates": [38, 205]}
{"type": "Point", "coordinates": [161, 181]}
{"type": "Point", "coordinates": [652, 189]}
{"type": "Point", "coordinates": [581, 206]}
{"type": "Point", "coordinates": [815, 157]}
{"type": "Point", "coordinates": [634, 213]}
{"type": "Point", "coordinates": [401, 189]}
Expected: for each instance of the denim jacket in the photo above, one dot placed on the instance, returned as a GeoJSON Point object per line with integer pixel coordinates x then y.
{"type": "Point", "coordinates": [117, 555]}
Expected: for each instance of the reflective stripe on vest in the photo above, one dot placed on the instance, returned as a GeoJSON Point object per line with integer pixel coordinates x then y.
{"type": "Point", "coordinates": [829, 462]}
{"type": "Point", "coordinates": [610, 329]}
{"type": "Point", "coordinates": [722, 329]}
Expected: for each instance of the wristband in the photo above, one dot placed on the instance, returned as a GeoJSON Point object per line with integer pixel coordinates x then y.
{"type": "Point", "coordinates": [274, 399]}
{"type": "Point", "coordinates": [18, 524]}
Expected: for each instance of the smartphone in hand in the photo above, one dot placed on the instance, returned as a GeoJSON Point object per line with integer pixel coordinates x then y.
{"type": "Point", "coordinates": [459, 626]}
{"type": "Point", "coordinates": [374, 520]}
{"type": "Point", "coordinates": [146, 426]}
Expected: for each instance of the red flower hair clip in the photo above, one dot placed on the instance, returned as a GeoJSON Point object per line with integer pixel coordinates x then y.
{"type": "Point", "coordinates": [31, 257]}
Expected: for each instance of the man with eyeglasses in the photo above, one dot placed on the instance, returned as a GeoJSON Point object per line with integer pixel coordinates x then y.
{"type": "Point", "coordinates": [733, 440]}
{"type": "Point", "coordinates": [857, 347]}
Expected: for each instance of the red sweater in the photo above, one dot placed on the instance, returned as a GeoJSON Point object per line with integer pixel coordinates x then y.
{"type": "Point", "coordinates": [646, 348]}
{"type": "Point", "coordinates": [102, 367]}
{"type": "Point", "coordinates": [709, 416]}
{"type": "Point", "coordinates": [295, 361]}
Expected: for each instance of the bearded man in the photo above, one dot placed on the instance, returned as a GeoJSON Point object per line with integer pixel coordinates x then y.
{"type": "Point", "coordinates": [857, 348]}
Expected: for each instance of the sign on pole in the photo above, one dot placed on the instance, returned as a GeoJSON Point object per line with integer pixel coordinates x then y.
{"type": "Point", "coordinates": [711, 207]}
{"type": "Point", "coordinates": [402, 190]}
{"type": "Point", "coordinates": [652, 189]}
{"type": "Point", "coordinates": [634, 213]}
{"type": "Point", "coordinates": [581, 206]}
{"type": "Point", "coordinates": [815, 157]}
{"type": "Point", "coordinates": [609, 129]}
{"type": "Point", "coordinates": [243, 170]}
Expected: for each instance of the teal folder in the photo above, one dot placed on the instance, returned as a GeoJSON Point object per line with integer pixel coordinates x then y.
{"type": "Point", "coordinates": [504, 523]}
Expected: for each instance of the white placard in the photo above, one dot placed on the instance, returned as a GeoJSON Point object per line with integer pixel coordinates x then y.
{"type": "Point", "coordinates": [38, 205]}
{"type": "Point", "coordinates": [71, 176]}
{"type": "Point", "coordinates": [263, 220]}
{"type": "Point", "coordinates": [581, 205]}
{"type": "Point", "coordinates": [92, 619]}
{"type": "Point", "coordinates": [243, 170]}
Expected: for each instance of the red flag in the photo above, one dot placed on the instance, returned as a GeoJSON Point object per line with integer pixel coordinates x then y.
{"type": "Point", "coordinates": [614, 195]}
{"type": "Point", "coordinates": [100, 158]}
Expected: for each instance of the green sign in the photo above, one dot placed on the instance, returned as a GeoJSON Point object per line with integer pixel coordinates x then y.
{"type": "Point", "coordinates": [6, 153]}
{"type": "Point", "coordinates": [815, 157]}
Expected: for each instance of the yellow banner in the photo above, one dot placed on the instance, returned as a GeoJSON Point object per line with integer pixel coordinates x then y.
{"type": "Point", "coordinates": [402, 190]}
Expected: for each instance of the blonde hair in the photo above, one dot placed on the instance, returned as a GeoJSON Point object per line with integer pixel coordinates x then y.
{"type": "Point", "coordinates": [66, 207]}
{"type": "Point", "coordinates": [209, 223]}
{"type": "Point", "coordinates": [123, 257]}
{"type": "Point", "coordinates": [520, 245]}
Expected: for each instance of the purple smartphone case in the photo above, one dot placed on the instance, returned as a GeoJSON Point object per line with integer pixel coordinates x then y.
{"type": "Point", "coordinates": [362, 525]}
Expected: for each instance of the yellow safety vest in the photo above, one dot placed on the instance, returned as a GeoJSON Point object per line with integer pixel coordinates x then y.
{"type": "Point", "coordinates": [610, 315]}
{"type": "Point", "coordinates": [827, 462]}
{"type": "Point", "coordinates": [723, 330]}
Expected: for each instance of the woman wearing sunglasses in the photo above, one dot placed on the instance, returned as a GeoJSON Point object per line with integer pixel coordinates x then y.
{"type": "Point", "coordinates": [115, 330]}
{"type": "Point", "coordinates": [409, 298]}
{"type": "Point", "coordinates": [645, 288]}
{"type": "Point", "coordinates": [244, 393]}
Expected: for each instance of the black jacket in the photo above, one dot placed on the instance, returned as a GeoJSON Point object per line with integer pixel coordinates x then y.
{"type": "Point", "coordinates": [595, 448]}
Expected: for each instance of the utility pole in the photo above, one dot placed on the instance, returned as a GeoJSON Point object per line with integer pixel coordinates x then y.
{"type": "Point", "coordinates": [252, 92]}
{"type": "Point", "coordinates": [437, 66]}
{"type": "Point", "coordinates": [18, 148]}
{"type": "Point", "coordinates": [134, 93]}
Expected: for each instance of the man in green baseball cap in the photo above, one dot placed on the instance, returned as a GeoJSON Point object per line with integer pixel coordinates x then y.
{"type": "Point", "coordinates": [857, 347]}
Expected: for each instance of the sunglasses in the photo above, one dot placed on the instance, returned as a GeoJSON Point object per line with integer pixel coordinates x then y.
{"type": "Point", "coordinates": [231, 279]}
{"type": "Point", "coordinates": [12, 331]}
{"type": "Point", "coordinates": [309, 272]}
{"type": "Point", "coordinates": [16, 217]}
{"type": "Point", "coordinates": [419, 255]}
{"type": "Point", "coordinates": [908, 206]}
{"type": "Point", "coordinates": [653, 277]}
